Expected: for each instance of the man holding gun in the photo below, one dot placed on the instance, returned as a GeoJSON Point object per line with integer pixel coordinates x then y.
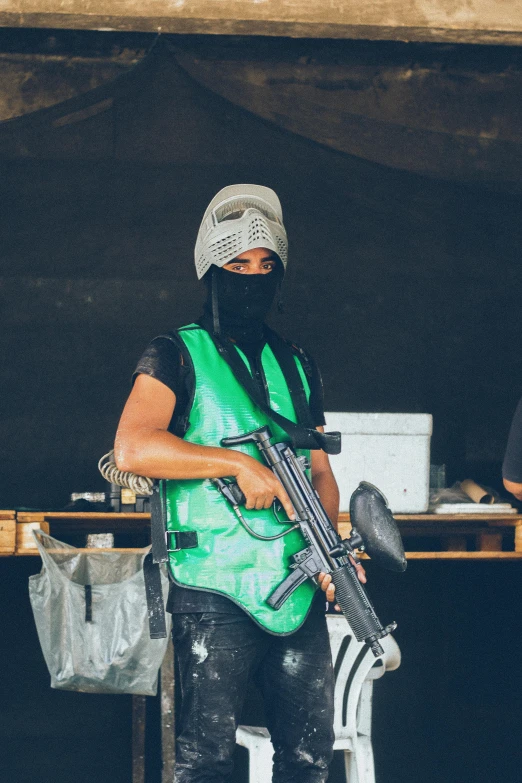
{"type": "Point", "coordinates": [185, 399]}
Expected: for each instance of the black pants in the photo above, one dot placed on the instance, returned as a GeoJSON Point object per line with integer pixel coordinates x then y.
{"type": "Point", "coordinates": [217, 654]}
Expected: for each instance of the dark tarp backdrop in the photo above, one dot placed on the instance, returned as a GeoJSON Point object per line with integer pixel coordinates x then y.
{"type": "Point", "coordinates": [406, 290]}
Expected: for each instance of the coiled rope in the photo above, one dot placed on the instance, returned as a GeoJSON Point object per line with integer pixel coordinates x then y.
{"type": "Point", "coordinates": [141, 485]}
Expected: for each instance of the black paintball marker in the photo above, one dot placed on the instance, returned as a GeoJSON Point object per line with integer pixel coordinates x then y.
{"type": "Point", "coordinates": [374, 530]}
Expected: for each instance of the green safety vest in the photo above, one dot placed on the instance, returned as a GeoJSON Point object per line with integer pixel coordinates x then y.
{"type": "Point", "coordinates": [228, 560]}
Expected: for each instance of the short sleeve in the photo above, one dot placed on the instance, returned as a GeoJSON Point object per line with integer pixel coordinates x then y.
{"type": "Point", "coordinates": [162, 360]}
{"type": "Point", "coordinates": [512, 466]}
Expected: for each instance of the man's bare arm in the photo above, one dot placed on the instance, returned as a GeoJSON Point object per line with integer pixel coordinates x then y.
{"type": "Point", "coordinates": [143, 445]}
{"type": "Point", "coordinates": [514, 488]}
{"type": "Point", "coordinates": [324, 482]}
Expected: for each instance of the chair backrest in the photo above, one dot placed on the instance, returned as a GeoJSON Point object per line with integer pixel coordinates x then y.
{"type": "Point", "coordinates": [354, 663]}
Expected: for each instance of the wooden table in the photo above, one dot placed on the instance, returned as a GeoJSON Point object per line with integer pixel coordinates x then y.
{"type": "Point", "coordinates": [16, 539]}
{"type": "Point", "coordinates": [456, 536]}
{"type": "Point", "coordinates": [479, 536]}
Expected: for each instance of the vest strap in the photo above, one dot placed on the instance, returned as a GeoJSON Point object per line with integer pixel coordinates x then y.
{"type": "Point", "coordinates": [162, 541]}
{"type": "Point", "coordinates": [302, 435]}
{"type": "Point", "coordinates": [88, 603]}
{"type": "Point", "coordinates": [182, 539]}
{"type": "Point", "coordinates": [154, 595]}
{"type": "Point", "coordinates": [158, 523]}
{"type": "Point", "coordinates": [165, 541]}
{"type": "Point", "coordinates": [285, 358]}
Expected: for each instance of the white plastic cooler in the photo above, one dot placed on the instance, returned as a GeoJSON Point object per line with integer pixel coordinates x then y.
{"type": "Point", "coordinates": [391, 450]}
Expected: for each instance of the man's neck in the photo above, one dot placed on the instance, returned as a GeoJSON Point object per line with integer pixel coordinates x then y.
{"type": "Point", "coordinates": [247, 334]}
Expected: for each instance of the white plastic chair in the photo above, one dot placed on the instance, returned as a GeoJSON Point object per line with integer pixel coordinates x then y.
{"type": "Point", "coordinates": [355, 670]}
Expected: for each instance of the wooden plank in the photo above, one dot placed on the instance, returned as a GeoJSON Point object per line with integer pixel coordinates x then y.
{"type": "Point", "coordinates": [446, 555]}
{"type": "Point", "coordinates": [489, 541]}
{"type": "Point", "coordinates": [88, 516]}
{"type": "Point", "coordinates": [31, 552]}
{"type": "Point", "coordinates": [87, 522]}
{"type": "Point", "coordinates": [7, 536]}
{"type": "Point", "coordinates": [499, 520]}
{"type": "Point", "coordinates": [455, 543]}
{"type": "Point", "coordinates": [139, 707]}
{"type": "Point", "coordinates": [464, 556]}
{"type": "Point", "coordinates": [95, 550]}
{"type": "Point", "coordinates": [503, 520]}
{"type": "Point", "coordinates": [168, 740]}
{"type": "Point", "coordinates": [453, 539]}
{"type": "Point", "coordinates": [477, 21]}
{"type": "Point", "coordinates": [518, 539]}
{"type": "Point", "coordinates": [6, 514]}
{"type": "Point", "coordinates": [439, 530]}
{"type": "Point", "coordinates": [86, 527]}
{"type": "Point", "coordinates": [443, 531]}
{"type": "Point", "coordinates": [453, 530]}
{"type": "Point", "coordinates": [24, 537]}
{"type": "Point", "coordinates": [410, 524]}
{"type": "Point", "coordinates": [30, 516]}
{"type": "Point", "coordinates": [495, 520]}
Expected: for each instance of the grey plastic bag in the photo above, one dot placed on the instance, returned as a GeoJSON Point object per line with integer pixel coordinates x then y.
{"type": "Point", "coordinates": [91, 616]}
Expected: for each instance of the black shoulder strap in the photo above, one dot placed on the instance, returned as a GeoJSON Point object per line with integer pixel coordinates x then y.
{"type": "Point", "coordinates": [303, 435]}
{"type": "Point", "coordinates": [154, 595]}
{"type": "Point", "coordinates": [161, 541]}
{"type": "Point", "coordinates": [180, 421]}
{"type": "Point", "coordinates": [285, 358]}
{"type": "Point", "coordinates": [158, 524]}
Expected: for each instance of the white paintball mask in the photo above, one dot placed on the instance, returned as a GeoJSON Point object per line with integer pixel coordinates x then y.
{"type": "Point", "coordinates": [240, 218]}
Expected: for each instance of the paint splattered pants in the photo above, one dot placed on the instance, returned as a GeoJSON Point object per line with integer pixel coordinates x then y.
{"type": "Point", "coordinates": [217, 654]}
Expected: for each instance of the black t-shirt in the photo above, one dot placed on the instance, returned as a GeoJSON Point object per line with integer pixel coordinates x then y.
{"type": "Point", "coordinates": [512, 466]}
{"type": "Point", "coordinates": [163, 360]}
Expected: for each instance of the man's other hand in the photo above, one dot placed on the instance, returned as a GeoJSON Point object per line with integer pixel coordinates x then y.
{"type": "Point", "coordinates": [326, 584]}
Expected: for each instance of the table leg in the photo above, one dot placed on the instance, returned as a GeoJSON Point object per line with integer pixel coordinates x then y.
{"type": "Point", "coordinates": [456, 543]}
{"type": "Point", "coordinates": [138, 739]}
{"type": "Point", "coordinates": [168, 743]}
{"type": "Point", "coordinates": [489, 541]}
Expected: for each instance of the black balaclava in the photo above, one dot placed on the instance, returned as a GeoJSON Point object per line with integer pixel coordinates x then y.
{"type": "Point", "coordinates": [243, 302]}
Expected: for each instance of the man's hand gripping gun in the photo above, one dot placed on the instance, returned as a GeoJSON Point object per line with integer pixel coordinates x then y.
{"type": "Point", "coordinates": [373, 529]}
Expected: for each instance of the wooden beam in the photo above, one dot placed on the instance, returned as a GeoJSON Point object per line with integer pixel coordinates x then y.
{"type": "Point", "coordinates": [459, 21]}
{"type": "Point", "coordinates": [502, 556]}
{"type": "Point", "coordinates": [139, 707]}
{"type": "Point", "coordinates": [7, 536]}
{"type": "Point", "coordinates": [167, 701]}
